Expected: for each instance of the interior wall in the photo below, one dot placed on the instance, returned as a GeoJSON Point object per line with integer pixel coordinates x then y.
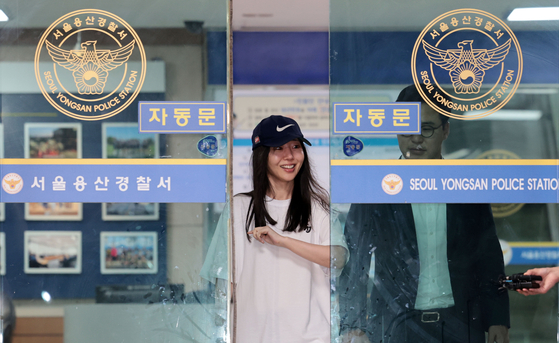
{"type": "Point", "coordinates": [184, 70]}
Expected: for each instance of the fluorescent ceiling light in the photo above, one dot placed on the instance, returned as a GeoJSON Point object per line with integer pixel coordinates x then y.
{"type": "Point", "coordinates": [3, 16]}
{"type": "Point", "coordinates": [515, 115]}
{"type": "Point", "coordinates": [534, 14]}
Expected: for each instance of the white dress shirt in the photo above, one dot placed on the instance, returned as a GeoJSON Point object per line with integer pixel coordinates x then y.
{"type": "Point", "coordinates": [434, 289]}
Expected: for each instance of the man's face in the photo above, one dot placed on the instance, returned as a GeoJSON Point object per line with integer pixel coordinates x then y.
{"type": "Point", "coordinates": [419, 147]}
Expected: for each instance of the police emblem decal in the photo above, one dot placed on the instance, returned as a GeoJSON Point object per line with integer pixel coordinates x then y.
{"type": "Point", "coordinates": [392, 184]}
{"type": "Point", "coordinates": [476, 54]}
{"type": "Point", "coordinates": [90, 64]}
{"type": "Point", "coordinates": [12, 183]}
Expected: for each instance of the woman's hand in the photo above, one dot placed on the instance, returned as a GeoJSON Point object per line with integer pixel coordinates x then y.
{"type": "Point", "coordinates": [265, 234]}
{"type": "Point", "coordinates": [319, 254]}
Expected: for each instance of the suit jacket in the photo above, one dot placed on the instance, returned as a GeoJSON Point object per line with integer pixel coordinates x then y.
{"type": "Point", "coordinates": [475, 262]}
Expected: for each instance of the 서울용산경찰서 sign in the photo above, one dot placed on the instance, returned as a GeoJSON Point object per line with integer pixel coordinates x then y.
{"type": "Point", "coordinates": [103, 180]}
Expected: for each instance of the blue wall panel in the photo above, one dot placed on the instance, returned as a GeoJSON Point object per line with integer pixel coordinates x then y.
{"type": "Point", "coordinates": [16, 282]}
{"type": "Point", "coordinates": [355, 57]}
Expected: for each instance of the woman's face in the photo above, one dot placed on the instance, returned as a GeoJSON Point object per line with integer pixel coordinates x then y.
{"type": "Point", "coordinates": [284, 162]}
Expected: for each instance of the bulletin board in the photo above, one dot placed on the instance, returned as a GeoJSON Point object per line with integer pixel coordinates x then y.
{"type": "Point", "coordinates": [21, 109]}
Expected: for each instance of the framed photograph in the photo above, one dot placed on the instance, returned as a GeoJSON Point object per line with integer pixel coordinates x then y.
{"type": "Point", "coordinates": [2, 208]}
{"type": "Point", "coordinates": [48, 211]}
{"type": "Point", "coordinates": [52, 252]}
{"type": "Point", "coordinates": [122, 140]}
{"type": "Point", "coordinates": [2, 253]}
{"type": "Point", "coordinates": [130, 211]}
{"type": "Point", "coordinates": [53, 140]}
{"type": "Point", "coordinates": [128, 252]}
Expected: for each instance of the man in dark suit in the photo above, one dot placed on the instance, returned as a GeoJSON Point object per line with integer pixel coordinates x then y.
{"type": "Point", "coordinates": [436, 266]}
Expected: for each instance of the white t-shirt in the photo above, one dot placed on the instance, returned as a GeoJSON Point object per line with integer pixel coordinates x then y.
{"type": "Point", "coordinates": [282, 297]}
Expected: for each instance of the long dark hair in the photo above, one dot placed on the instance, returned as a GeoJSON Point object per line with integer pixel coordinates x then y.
{"type": "Point", "coordinates": [305, 190]}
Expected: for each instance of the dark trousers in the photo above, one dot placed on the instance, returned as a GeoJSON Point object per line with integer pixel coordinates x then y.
{"type": "Point", "coordinates": [434, 326]}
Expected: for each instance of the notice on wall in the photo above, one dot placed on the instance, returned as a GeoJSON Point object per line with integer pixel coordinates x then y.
{"type": "Point", "coordinates": [311, 109]}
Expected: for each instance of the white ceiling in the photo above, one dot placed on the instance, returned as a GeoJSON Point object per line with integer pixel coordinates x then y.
{"type": "Point", "coordinates": [405, 15]}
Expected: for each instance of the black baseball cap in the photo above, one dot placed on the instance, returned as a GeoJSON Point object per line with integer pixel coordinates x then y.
{"type": "Point", "coordinates": [276, 131]}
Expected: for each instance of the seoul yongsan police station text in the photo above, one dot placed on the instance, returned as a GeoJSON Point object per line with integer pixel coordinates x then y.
{"type": "Point", "coordinates": [474, 184]}
{"type": "Point", "coordinates": [465, 107]}
{"type": "Point", "coordinates": [89, 108]}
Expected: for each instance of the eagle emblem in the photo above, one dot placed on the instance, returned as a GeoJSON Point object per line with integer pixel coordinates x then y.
{"type": "Point", "coordinates": [392, 183]}
{"type": "Point", "coordinates": [12, 183]}
{"type": "Point", "coordinates": [89, 66]}
{"type": "Point", "coordinates": [466, 65]}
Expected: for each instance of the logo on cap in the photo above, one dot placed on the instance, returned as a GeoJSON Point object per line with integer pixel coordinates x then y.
{"type": "Point", "coordinates": [280, 129]}
{"type": "Point", "coordinates": [256, 140]}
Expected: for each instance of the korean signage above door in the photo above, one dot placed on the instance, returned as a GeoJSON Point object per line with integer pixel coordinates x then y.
{"type": "Point", "coordinates": [377, 118]}
{"type": "Point", "coordinates": [181, 117]}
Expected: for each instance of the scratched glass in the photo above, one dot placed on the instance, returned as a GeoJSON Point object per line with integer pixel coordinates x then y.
{"type": "Point", "coordinates": [104, 229]}
{"type": "Point", "coordinates": [418, 231]}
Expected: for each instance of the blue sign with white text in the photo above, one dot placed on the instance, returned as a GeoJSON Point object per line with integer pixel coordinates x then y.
{"type": "Point", "coordinates": [181, 117]}
{"type": "Point", "coordinates": [533, 255]}
{"type": "Point", "coordinates": [377, 118]}
{"type": "Point", "coordinates": [464, 181]}
{"type": "Point", "coordinates": [102, 180]}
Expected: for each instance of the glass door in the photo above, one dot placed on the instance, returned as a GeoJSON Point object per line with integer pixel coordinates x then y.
{"type": "Point", "coordinates": [443, 154]}
{"type": "Point", "coordinates": [114, 172]}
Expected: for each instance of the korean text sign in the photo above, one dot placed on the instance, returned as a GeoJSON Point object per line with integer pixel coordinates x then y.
{"type": "Point", "coordinates": [448, 181]}
{"type": "Point", "coordinates": [103, 180]}
{"type": "Point", "coordinates": [377, 118]}
{"type": "Point", "coordinates": [181, 117]}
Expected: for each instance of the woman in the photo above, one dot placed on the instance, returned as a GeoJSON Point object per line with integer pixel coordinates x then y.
{"type": "Point", "coordinates": [282, 242]}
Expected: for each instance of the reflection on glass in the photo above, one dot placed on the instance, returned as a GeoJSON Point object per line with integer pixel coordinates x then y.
{"type": "Point", "coordinates": [131, 273]}
{"type": "Point", "coordinates": [371, 45]}
{"type": "Point", "coordinates": [425, 258]}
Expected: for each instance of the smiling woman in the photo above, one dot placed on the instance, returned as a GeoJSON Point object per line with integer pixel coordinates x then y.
{"type": "Point", "coordinates": [282, 275]}
{"type": "Point", "coordinates": [287, 212]}
{"type": "Point", "coordinates": [284, 163]}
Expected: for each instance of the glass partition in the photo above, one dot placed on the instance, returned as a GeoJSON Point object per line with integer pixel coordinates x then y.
{"type": "Point", "coordinates": [116, 173]}
{"type": "Point", "coordinates": [105, 222]}
{"type": "Point", "coordinates": [427, 253]}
